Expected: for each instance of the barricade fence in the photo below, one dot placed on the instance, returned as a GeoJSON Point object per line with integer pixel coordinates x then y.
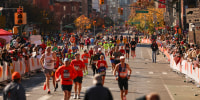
{"type": "Point", "coordinates": [183, 66]}
{"type": "Point", "coordinates": [20, 66]}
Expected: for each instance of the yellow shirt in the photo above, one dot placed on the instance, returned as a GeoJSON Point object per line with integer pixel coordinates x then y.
{"type": "Point", "coordinates": [118, 42]}
{"type": "Point", "coordinates": [125, 40]}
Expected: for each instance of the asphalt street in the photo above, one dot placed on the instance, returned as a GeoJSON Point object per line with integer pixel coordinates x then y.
{"type": "Point", "coordinates": [146, 77]}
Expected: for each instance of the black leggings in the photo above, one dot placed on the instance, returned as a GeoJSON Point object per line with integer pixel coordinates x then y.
{"type": "Point", "coordinates": [94, 69]}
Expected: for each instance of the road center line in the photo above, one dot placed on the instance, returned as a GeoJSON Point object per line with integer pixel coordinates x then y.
{"type": "Point", "coordinates": [170, 95]}
{"type": "Point", "coordinates": [150, 72]}
{"type": "Point", "coordinates": [164, 73]}
{"type": "Point", "coordinates": [137, 72]}
{"type": "Point", "coordinates": [44, 97]}
{"type": "Point", "coordinates": [28, 95]}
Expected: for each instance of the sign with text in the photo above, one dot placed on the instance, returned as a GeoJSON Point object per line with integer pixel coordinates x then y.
{"type": "Point", "coordinates": [193, 15]}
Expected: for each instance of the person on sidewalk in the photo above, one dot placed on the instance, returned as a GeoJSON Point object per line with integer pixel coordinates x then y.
{"type": "Point", "coordinates": [14, 90]}
{"type": "Point", "coordinates": [154, 47]}
{"type": "Point", "coordinates": [68, 73]}
{"type": "Point", "coordinates": [98, 92]}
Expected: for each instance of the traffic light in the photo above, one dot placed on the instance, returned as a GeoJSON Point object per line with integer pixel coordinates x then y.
{"type": "Point", "coordinates": [20, 16]}
{"type": "Point", "coordinates": [101, 2]}
{"type": "Point", "coordinates": [121, 11]}
{"type": "Point", "coordinates": [94, 22]}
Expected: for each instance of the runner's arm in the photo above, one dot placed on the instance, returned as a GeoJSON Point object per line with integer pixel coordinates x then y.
{"type": "Point", "coordinates": [57, 73]}
{"type": "Point", "coordinates": [130, 71]}
{"type": "Point", "coordinates": [42, 61]}
{"type": "Point", "coordinates": [115, 70]}
{"type": "Point", "coordinates": [106, 65]}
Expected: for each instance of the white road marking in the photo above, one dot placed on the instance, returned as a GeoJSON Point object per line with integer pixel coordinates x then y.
{"type": "Point", "coordinates": [45, 97]}
{"type": "Point", "coordinates": [164, 73]}
{"type": "Point", "coordinates": [36, 88]}
{"type": "Point", "coordinates": [137, 72]}
{"type": "Point", "coordinates": [150, 72]}
{"type": "Point", "coordinates": [28, 95]}
{"type": "Point", "coordinates": [148, 81]}
{"type": "Point", "coordinates": [170, 95]}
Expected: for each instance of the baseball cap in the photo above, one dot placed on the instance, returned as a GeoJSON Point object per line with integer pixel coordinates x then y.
{"type": "Point", "coordinates": [99, 49]}
{"type": "Point", "coordinates": [66, 59]}
{"type": "Point", "coordinates": [77, 54]}
{"type": "Point", "coordinates": [122, 57]}
{"type": "Point", "coordinates": [16, 75]}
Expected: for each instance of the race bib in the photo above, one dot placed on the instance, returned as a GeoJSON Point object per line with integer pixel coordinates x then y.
{"type": "Point", "coordinates": [127, 48]}
{"type": "Point", "coordinates": [66, 74]}
{"type": "Point", "coordinates": [84, 58]}
{"type": "Point", "coordinates": [123, 74]}
{"type": "Point", "coordinates": [76, 67]}
{"type": "Point", "coordinates": [49, 64]}
{"type": "Point", "coordinates": [102, 65]}
{"type": "Point", "coordinates": [94, 61]}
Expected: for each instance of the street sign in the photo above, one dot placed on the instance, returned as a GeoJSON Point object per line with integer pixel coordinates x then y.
{"type": "Point", "coordinates": [193, 15]}
{"type": "Point", "coordinates": [142, 11]}
{"type": "Point", "coordinates": [135, 22]}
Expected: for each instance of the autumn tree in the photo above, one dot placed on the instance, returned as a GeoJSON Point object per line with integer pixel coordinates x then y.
{"type": "Point", "coordinates": [82, 23]}
{"type": "Point", "coordinates": [148, 21]}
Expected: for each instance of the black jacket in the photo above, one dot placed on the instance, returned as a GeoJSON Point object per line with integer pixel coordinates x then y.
{"type": "Point", "coordinates": [98, 92]}
{"type": "Point", "coordinates": [154, 46]}
{"type": "Point", "coordinates": [14, 91]}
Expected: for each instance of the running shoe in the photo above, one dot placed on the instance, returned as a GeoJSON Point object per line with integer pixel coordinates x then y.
{"type": "Point", "coordinates": [49, 92]}
{"type": "Point", "coordinates": [75, 96]}
{"type": "Point", "coordinates": [87, 73]}
{"type": "Point", "coordinates": [78, 96]}
{"type": "Point", "coordinates": [44, 87]}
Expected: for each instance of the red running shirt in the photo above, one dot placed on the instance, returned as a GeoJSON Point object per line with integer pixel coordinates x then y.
{"type": "Point", "coordinates": [85, 57]}
{"type": "Point", "coordinates": [101, 63]}
{"type": "Point", "coordinates": [66, 73]}
{"type": "Point", "coordinates": [78, 66]}
{"type": "Point", "coordinates": [91, 52]}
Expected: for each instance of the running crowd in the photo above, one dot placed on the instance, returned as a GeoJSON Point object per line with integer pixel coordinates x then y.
{"type": "Point", "coordinates": [67, 62]}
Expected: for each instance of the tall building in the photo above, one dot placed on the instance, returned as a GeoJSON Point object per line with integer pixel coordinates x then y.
{"type": "Point", "coordinates": [126, 10]}
{"type": "Point", "coordinates": [113, 6]}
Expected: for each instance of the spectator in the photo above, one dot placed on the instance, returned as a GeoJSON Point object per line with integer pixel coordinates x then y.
{"type": "Point", "coordinates": [154, 47]}
{"type": "Point", "coordinates": [98, 92]}
{"type": "Point", "coordinates": [14, 90]}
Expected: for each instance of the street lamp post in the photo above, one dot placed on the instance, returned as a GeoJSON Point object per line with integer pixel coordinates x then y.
{"type": "Point", "coordinates": [193, 29]}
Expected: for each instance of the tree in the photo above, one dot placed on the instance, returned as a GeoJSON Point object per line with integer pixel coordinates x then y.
{"type": "Point", "coordinates": [82, 23]}
{"type": "Point", "coordinates": [147, 20]}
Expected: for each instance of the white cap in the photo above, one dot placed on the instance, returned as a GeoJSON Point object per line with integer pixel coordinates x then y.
{"type": "Point", "coordinates": [99, 49]}
{"type": "Point", "coordinates": [66, 59]}
{"type": "Point", "coordinates": [122, 57]}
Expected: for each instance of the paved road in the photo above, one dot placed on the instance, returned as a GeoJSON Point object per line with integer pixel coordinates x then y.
{"type": "Point", "coordinates": [147, 77]}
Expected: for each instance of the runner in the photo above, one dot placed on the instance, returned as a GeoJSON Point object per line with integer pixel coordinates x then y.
{"type": "Point", "coordinates": [68, 73]}
{"type": "Point", "coordinates": [127, 48]}
{"type": "Point", "coordinates": [85, 57]}
{"type": "Point", "coordinates": [87, 42]}
{"type": "Point", "coordinates": [65, 51]}
{"type": "Point", "coordinates": [93, 60]}
{"type": "Point", "coordinates": [122, 50]}
{"type": "Point", "coordinates": [91, 52]}
{"type": "Point", "coordinates": [133, 46]}
{"type": "Point", "coordinates": [57, 64]}
{"type": "Point", "coordinates": [116, 56]}
{"type": "Point", "coordinates": [106, 46]}
{"type": "Point", "coordinates": [79, 67]}
{"type": "Point", "coordinates": [70, 55]}
{"type": "Point", "coordinates": [96, 47]}
{"type": "Point", "coordinates": [81, 42]}
{"type": "Point", "coordinates": [72, 40]}
{"type": "Point", "coordinates": [74, 47]}
{"type": "Point", "coordinates": [112, 50]}
{"type": "Point", "coordinates": [122, 68]}
{"type": "Point", "coordinates": [55, 47]}
{"type": "Point", "coordinates": [47, 61]}
{"type": "Point", "coordinates": [101, 67]}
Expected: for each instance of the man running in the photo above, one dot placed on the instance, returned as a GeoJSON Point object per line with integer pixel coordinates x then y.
{"type": "Point", "coordinates": [133, 46]}
{"type": "Point", "coordinates": [116, 56]}
{"type": "Point", "coordinates": [79, 67]}
{"type": "Point", "coordinates": [101, 67]}
{"type": "Point", "coordinates": [85, 57]}
{"type": "Point", "coordinates": [81, 42]}
{"type": "Point", "coordinates": [47, 61]}
{"type": "Point", "coordinates": [122, 68]}
{"type": "Point", "coordinates": [127, 48]}
{"type": "Point", "coordinates": [106, 46]}
{"type": "Point", "coordinates": [94, 59]}
{"type": "Point", "coordinates": [68, 73]}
